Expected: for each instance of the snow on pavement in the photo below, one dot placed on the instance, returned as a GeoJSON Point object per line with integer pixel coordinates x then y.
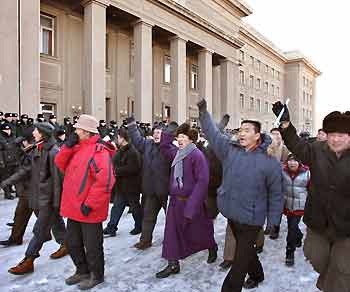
{"type": "Point", "coordinates": [127, 269]}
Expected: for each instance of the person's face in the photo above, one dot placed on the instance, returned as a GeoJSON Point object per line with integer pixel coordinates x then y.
{"type": "Point", "coordinates": [25, 143]}
{"type": "Point", "coordinates": [37, 135]}
{"type": "Point", "coordinates": [321, 136]}
{"type": "Point", "coordinates": [9, 119]}
{"type": "Point", "coordinates": [276, 137]}
{"type": "Point", "coordinates": [120, 140]}
{"type": "Point", "coordinates": [8, 132]}
{"type": "Point", "coordinates": [53, 120]}
{"type": "Point", "coordinates": [247, 135]}
{"type": "Point", "coordinates": [157, 133]}
{"type": "Point", "coordinates": [82, 134]}
{"type": "Point", "coordinates": [338, 142]}
{"type": "Point", "coordinates": [183, 141]}
{"type": "Point", "coordinates": [293, 165]}
{"type": "Point", "coordinates": [62, 137]}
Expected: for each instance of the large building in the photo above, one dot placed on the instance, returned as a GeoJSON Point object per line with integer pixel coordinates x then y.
{"type": "Point", "coordinates": [153, 58]}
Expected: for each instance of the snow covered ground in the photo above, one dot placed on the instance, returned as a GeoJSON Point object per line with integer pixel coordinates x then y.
{"type": "Point", "coordinates": [127, 269]}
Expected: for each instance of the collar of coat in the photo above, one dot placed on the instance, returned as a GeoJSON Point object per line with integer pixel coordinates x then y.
{"type": "Point", "coordinates": [330, 153]}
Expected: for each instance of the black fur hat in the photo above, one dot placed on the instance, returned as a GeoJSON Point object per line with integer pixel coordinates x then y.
{"type": "Point", "coordinates": [337, 122]}
{"type": "Point", "coordinates": [186, 129]}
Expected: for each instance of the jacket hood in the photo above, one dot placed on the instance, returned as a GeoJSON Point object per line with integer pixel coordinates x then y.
{"type": "Point", "coordinates": [100, 144]}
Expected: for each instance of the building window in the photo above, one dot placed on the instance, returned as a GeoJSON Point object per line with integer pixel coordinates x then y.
{"type": "Point", "coordinates": [107, 54]}
{"type": "Point", "coordinates": [251, 103]}
{"type": "Point", "coordinates": [241, 77]}
{"type": "Point", "coordinates": [273, 89]}
{"type": "Point", "coordinates": [167, 67]}
{"type": "Point", "coordinates": [266, 87]}
{"type": "Point", "coordinates": [310, 99]}
{"type": "Point", "coordinates": [278, 75]}
{"type": "Point", "coordinates": [252, 60]}
{"type": "Point", "coordinates": [277, 91]}
{"type": "Point", "coordinates": [251, 81]}
{"type": "Point", "coordinates": [241, 56]}
{"type": "Point", "coordinates": [132, 59]}
{"type": "Point", "coordinates": [258, 83]}
{"type": "Point", "coordinates": [194, 77]}
{"type": "Point", "coordinates": [273, 72]}
{"type": "Point", "coordinates": [241, 100]}
{"type": "Point", "coordinates": [258, 105]}
{"type": "Point", "coordinates": [266, 68]}
{"type": "Point", "coordinates": [304, 98]}
{"type": "Point", "coordinates": [47, 35]}
{"type": "Point", "coordinates": [258, 62]}
{"type": "Point", "coordinates": [304, 81]}
{"type": "Point", "coordinates": [266, 106]}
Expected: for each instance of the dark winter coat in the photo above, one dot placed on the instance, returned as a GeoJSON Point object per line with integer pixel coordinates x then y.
{"type": "Point", "coordinates": [46, 180]}
{"type": "Point", "coordinates": [251, 189]}
{"type": "Point", "coordinates": [156, 169]}
{"type": "Point", "coordinates": [127, 171]}
{"type": "Point", "coordinates": [22, 177]}
{"type": "Point", "coordinates": [88, 179]}
{"type": "Point", "coordinates": [327, 207]}
{"type": "Point", "coordinates": [9, 152]}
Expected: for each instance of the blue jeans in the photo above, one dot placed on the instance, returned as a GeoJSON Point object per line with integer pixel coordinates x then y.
{"type": "Point", "coordinates": [119, 205]}
{"type": "Point", "coordinates": [294, 233]}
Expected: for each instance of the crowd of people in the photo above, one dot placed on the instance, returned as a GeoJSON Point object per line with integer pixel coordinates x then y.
{"type": "Point", "coordinates": [252, 178]}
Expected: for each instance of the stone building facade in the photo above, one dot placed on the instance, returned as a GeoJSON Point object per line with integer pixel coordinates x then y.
{"type": "Point", "coordinates": [153, 58]}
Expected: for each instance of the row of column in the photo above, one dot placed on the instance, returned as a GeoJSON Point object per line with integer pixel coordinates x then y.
{"type": "Point", "coordinates": [94, 36]}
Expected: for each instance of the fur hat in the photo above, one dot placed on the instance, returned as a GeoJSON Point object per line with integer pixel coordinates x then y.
{"type": "Point", "coordinates": [87, 123]}
{"type": "Point", "coordinates": [337, 122]}
{"type": "Point", "coordinates": [186, 129]}
{"type": "Point", "coordinates": [45, 128]}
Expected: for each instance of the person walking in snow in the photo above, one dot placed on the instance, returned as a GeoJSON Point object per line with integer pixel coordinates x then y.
{"type": "Point", "coordinates": [326, 215]}
{"type": "Point", "coordinates": [86, 163]}
{"type": "Point", "coordinates": [44, 198]}
{"type": "Point", "coordinates": [296, 181]}
{"type": "Point", "coordinates": [251, 190]}
{"type": "Point", "coordinates": [188, 228]}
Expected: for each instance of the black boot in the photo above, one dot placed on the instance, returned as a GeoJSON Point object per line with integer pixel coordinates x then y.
{"type": "Point", "coordinates": [10, 242]}
{"type": "Point", "coordinates": [289, 257]}
{"type": "Point", "coordinates": [213, 254]}
{"type": "Point", "coordinates": [226, 264]}
{"type": "Point", "coordinates": [251, 283]}
{"type": "Point", "coordinates": [8, 196]}
{"type": "Point", "coordinates": [90, 282]}
{"type": "Point", "coordinates": [275, 232]}
{"type": "Point", "coordinates": [10, 224]}
{"type": "Point", "coordinates": [109, 231]}
{"type": "Point", "coordinates": [173, 267]}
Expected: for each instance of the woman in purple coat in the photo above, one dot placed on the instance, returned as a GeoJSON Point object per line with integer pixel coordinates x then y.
{"type": "Point", "coordinates": [188, 228]}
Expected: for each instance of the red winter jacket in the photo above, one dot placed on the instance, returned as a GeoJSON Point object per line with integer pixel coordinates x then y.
{"type": "Point", "coordinates": [88, 179]}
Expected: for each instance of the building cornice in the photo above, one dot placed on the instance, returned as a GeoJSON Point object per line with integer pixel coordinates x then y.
{"type": "Point", "coordinates": [240, 7]}
{"type": "Point", "coordinates": [306, 62]}
{"type": "Point", "coordinates": [246, 33]}
{"type": "Point", "coordinates": [103, 3]}
{"type": "Point", "coordinates": [195, 18]}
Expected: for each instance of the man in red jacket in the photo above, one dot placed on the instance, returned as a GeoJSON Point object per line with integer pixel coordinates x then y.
{"type": "Point", "coordinates": [86, 163]}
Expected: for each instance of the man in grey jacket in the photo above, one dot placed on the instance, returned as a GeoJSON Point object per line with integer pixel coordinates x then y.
{"type": "Point", "coordinates": [155, 180]}
{"type": "Point", "coordinates": [251, 190]}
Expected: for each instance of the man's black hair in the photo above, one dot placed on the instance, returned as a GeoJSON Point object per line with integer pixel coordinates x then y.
{"type": "Point", "coordinates": [256, 124]}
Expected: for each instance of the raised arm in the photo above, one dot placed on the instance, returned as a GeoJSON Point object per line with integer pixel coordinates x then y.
{"type": "Point", "coordinates": [219, 142]}
{"type": "Point", "coordinates": [167, 148]}
{"type": "Point", "coordinates": [136, 138]}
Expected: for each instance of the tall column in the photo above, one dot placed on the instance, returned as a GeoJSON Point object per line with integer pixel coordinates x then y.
{"type": "Point", "coordinates": [216, 93]}
{"type": "Point", "coordinates": [143, 71]}
{"type": "Point", "coordinates": [229, 91]}
{"type": "Point", "coordinates": [9, 56]}
{"type": "Point", "coordinates": [95, 59]}
{"type": "Point", "coordinates": [30, 57]}
{"type": "Point", "coordinates": [205, 77]}
{"type": "Point", "coordinates": [178, 79]}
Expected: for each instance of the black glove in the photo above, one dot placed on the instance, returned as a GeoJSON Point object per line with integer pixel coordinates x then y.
{"type": "Point", "coordinates": [130, 120]}
{"type": "Point", "coordinates": [85, 210]}
{"type": "Point", "coordinates": [277, 107]}
{"type": "Point", "coordinates": [202, 105]}
{"type": "Point", "coordinates": [171, 128]}
{"type": "Point", "coordinates": [72, 140]}
{"type": "Point", "coordinates": [224, 121]}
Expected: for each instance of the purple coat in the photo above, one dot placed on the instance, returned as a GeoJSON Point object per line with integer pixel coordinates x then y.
{"type": "Point", "coordinates": [188, 228]}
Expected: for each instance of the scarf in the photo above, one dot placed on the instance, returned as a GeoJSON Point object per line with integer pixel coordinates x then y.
{"type": "Point", "coordinates": [178, 163]}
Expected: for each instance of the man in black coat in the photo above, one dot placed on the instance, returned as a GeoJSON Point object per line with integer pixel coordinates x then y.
{"type": "Point", "coordinates": [155, 179]}
{"type": "Point", "coordinates": [9, 156]}
{"type": "Point", "coordinates": [21, 178]}
{"type": "Point", "coordinates": [327, 209]}
{"type": "Point", "coordinates": [44, 199]}
{"type": "Point", "coordinates": [127, 170]}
